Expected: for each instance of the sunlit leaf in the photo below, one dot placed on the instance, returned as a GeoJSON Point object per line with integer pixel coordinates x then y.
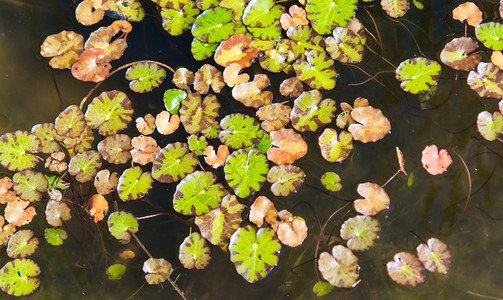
{"type": "Point", "coordinates": [130, 10]}
{"type": "Point", "coordinates": [166, 123]}
{"type": "Point", "coordinates": [56, 162]}
{"type": "Point", "coordinates": [322, 288]}
{"type": "Point", "coordinates": [251, 93]}
{"type": "Point", "coordinates": [18, 213]}
{"type": "Point", "coordinates": [144, 150]}
{"type": "Point", "coordinates": [335, 148]}
{"type": "Point", "coordinates": [144, 77]}
{"type": "Point", "coordinates": [48, 137]}
{"type": "Point", "coordinates": [417, 75]}
{"type": "Point", "coordinates": [490, 125]}
{"type": "Point", "coordinates": [197, 114]}
{"type": "Point", "coordinates": [372, 124]}
{"type": "Point", "coordinates": [468, 12]}
{"type": "Point", "coordinates": [232, 76]}
{"type": "Point", "coordinates": [280, 57]}
{"type": "Point", "coordinates": [182, 79]}
{"type": "Point", "coordinates": [216, 160]}
{"type": "Point", "coordinates": [265, 34]}
{"type": "Point", "coordinates": [317, 71]}
{"type": "Point", "coordinates": [235, 50]}
{"type": "Point", "coordinates": [70, 122]}
{"type": "Point", "coordinates": [57, 212]}
{"type": "Point", "coordinates": [134, 184]}
{"type": "Point", "coordinates": [325, 15]}
{"type": "Point", "coordinates": [194, 252]}
{"type": "Point", "coordinates": [19, 277]}
{"type": "Point", "coordinates": [101, 39]}
{"type": "Point", "coordinates": [254, 253]}
{"type": "Point", "coordinates": [82, 143]}
{"type": "Point", "coordinates": [245, 171]}
{"type": "Point", "coordinates": [434, 161]}
{"type": "Point", "coordinates": [22, 244]}
{"type": "Point", "coordinates": [91, 65]}
{"type": "Point", "coordinates": [240, 131]}
{"type": "Point", "coordinates": [173, 163]}
{"type": "Point", "coordinates": [310, 112]}
{"type": "Point", "coordinates": [262, 208]}
{"type": "Point", "coordinates": [157, 270]}
{"type": "Point", "coordinates": [208, 76]}
{"type": "Point", "coordinates": [305, 39]}
{"type": "Point", "coordinates": [55, 236]}
{"type": "Point", "coordinates": [201, 50]}
{"type": "Point", "coordinates": [97, 207]}
{"type": "Point", "coordinates": [285, 179]}
{"type": "Point", "coordinates": [458, 55]}
{"type": "Point", "coordinates": [375, 199]}
{"type": "Point", "coordinates": [173, 98]}
{"type": "Point", "coordinates": [345, 46]}
{"type": "Point", "coordinates": [29, 185]}
{"type": "Point", "coordinates": [115, 148]}
{"type": "Point", "coordinates": [65, 48]}
{"type": "Point", "coordinates": [213, 25]}
{"type": "Point", "coordinates": [361, 232]}
{"type": "Point", "coordinates": [146, 124]}
{"type": "Point", "coordinates": [6, 195]}
{"type": "Point", "coordinates": [331, 181]}
{"type": "Point", "coordinates": [105, 182]}
{"type": "Point", "coordinates": [197, 145]}
{"type": "Point", "coordinates": [86, 14]}
{"type": "Point", "coordinates": [110, 112]}
{"type": "Point", "coordinates": [288, 146]}
{"type": "Point", "coordinates": [84, 166]}
{"type": "Point", "coordinates": [487, 81]}
{"type": "Point", "coordinates": [177, 21]}
{"type": "Point", "coordinates": [395, 8]}
{"type": "Point", "coordinates": [274, 116]}
{"type": "Point", "coordinates": [340, 268]}
{"type": "Point", "coordinates": [121, 225]}
{"type": "Point", "coordinates": [406, 269]}
{"type": "Point", "coordinates": [296, 16]}
{"type": "Point", "coordinates": [435, 256]}
{"type": "Point", "coordinates": [116, 271]}
{"type": "Point", "coordinates": [293, 232]}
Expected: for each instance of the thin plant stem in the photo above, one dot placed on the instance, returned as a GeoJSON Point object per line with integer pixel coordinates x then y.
{"type": "Point", "coordinates": [372, 78]}
{"type": "Point", "coordinates": [469, 189]}
{"type": "Point", "coordinates": [391, 178]}
{"type": "Point", "coordinates": [380, 56]}
{"type": "Point", "coordinates": [366, 73]}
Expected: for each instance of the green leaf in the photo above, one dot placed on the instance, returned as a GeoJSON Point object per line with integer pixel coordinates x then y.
{"type": "Point", "coordinates": [197, 194]}
{"type": "Point", "coordinates": [55, 182]}
{"type": "Point", "coordinates": [277, 59]}
{"type": "Point", "coordinates": [115, 148]}
{"type": "Point", "coordinates": [212, 131]}
{"type": "Point", "coordinates": [361, 232]}
{"type": "Point", "coordinates": [48, 137]}
{"type": "Point", "coordinates": [331, 181]}
{"type": "Point", "coordinates": [133, 184]}
{"type": "Point", "coordinates": [317, 71]}
{"type": "Point", "coordinates": [197, 115]}
{"type": "Point", "coordinates": [335, 148]}
{"type": "Point", "coordinates": [19, 277]}
{"type": "Point", "coordinates": [344, 46]}
{"type": "Point", "coordinates": [22, 244]}
{"type": "Point", "coordinates": [325, 15]}
{"type": "Point", "coordinates": [207, 4]}
{"type": "Point", "coordinates": [272, 32]}
{"type": "Point", "coordinates": [285, 179]}
{"type": "Point", "coordinates": [197, 145]}
{"type": "Point", "coordinates": [172, 99]}
{"type": "Point", "coordinates": [458, 55]}
{"type": "Point", "coordinates": [174, 4]}
{"type": "Point", "coordinates": [322, 288]}
{"type": "Point", "coordinates": [306, 39]}
{"type": "Point", "coordinates": [55, 236]}
{"type": "Point", "coordinates": [121, 225]}
{"type": "Point", "coordinates": [246, 171]}
{"type": "Point", "coordinates": [173, 163]}
{"type": "Point", "coordinates": [262, 13]}
{"type": "Point", "coordinates": [116, 271]}
{"type": "Point", "coordinates": [490, 125]}
{"type": "Point", "coordinates": [264, 144]}
{"type": "Point", "coordinates": [145, 76]}
{"type": "Point", "coordinates": [130, 10]}
{"type": "Point", "coordinates": [157, 270]}
{"type": "Point", "coordinates": [201, 50]}
{"type": "Point", "coordinates": [490, 34]}
{"type": "Point", "coordinates": [177, 21]}
{"type": "Point", "coordinates": [70, 122]}
{"type": "Point", "coordinates": [84, 166]}
{"type": "Point", "coordinates": [194, 252]}
{"type": "Point", "coordinates": [309, 112]}
{"type": "Point", "coordinates": [417, 75]}
{"type": "Point", "coordinates": [220, 223]}
{"type": "Point", "coordinates": [207, 76]}
{"type": "Point", "coordinates": [340, 268]}
{"type": "Point", "coordinates": [82, 143]}
{"type": "Point", "coordinates": [110, 112]}
{"type": "Point", "coordinates": [16, 150]}
{"type": "Point", "coordinates": [29, 185]}
{"type": "Point", "coordinates": [487, 81]}
{"type": "Point", "coordinates": [213, 25]}
{"type": "Point", "coordinates": [240, 131]}
{"type": "Point", "coordinates": [254, 253]}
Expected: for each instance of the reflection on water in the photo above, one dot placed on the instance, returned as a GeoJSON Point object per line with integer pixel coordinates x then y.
{"type": "Point", "coordinates": [431, 205]}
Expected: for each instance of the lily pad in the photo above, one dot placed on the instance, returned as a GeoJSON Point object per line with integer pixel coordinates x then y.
{"type": "Point", "coordinates": [121, 225]}
{"type": "Point", "coordinates": [375, 200]}
{"type": "Point", "coordinates": [101, 39]}
{"type": "Point", "coordinates": [177, 21]}
{"type": "Point", "coordinates": [254, 253]}
{"type": "Point", "coordinates": [340, 268]}
{"type": "Point", "coordinates": [490, 34]}
{"type": "Point", "coordinates": [322, 288]}
{"type": "Point", "coordinates": [105, 182]}
{"type": "Point", "coordinates": [406, 269]}
{"type": "Point", "coordinates": [306, 39]}
{"type": "Point", "coordinates": [157, 270]}
{"type": "Point", "coordinates": [144, 77]}
{"type": "Point", "coordinates": [55, 236]}
{"type": "Point", "coordinates": [246, 171]}
{"type": "Point", "coordinates": [417, 75]}
{"type": "Point", "coordinates": [48, 137]}
{"type": "Point", "coordinates": [173, 98]}
{"type": "Point", "coordinates": [291, 232]}
{"type": "Point", "coordinates": [70, 122]}
{"type": "Point", "coordinates": [285, 179]}
{"type": "Point", "coordinates": [110, 112]}
{"type": "Point", "coordinates": [84, 166]}
{"type": "Point", "coordinates": [214, 25]}
{"type": "Point", "coordinates": [173, 163]}
{"type": "Point", "coordinates": [194, 252]}
{"type": "Point", "coordinates": [220, 223]}
{"type": "Point", "coordinates": [335, 148]}
{"type": "Point", "coordinates": [490, 125]}
{"type": "Point", "coordinates": [197, 145]}
{"type": "Point", "coordinates": [435, 161]}
{"type": "Point", "coordinates": [197, 194]}
{"type": "Point", "coordinates": [325, 15]}
{"type": "Point", "coordinates": [16, 150]}
{"type": "Point", "coordinates": [274, 116]}
{"type": "Point", "coordinates": [19, 277]}
{"type": "Point", "coordinates": [116, 148]}
{"type": "Point", "coordinates": [262, 13]}
{"type": "Point", "coordinates": [458, 55]}
{"type": "Point", "coordinates": [240, 131]}
{"type": "Point", "coordinates": [361, 232]}
{"type": "Point", "coordinates": [251, 93]}
{"type": "Point", "coordinates": [310, 112]}
{"type": "Point", "coordinates": [345, 46]}
{"type": "Point", "coordinates": [197, 115]}
{"type": "Point", "coordinates": [372, 124]}
{"type": "Point", "coordinates": [395, 8]}
{"type": "Point", "coordinates": [331, 181]}
{"type": "Point", "coordinates": [317, 71]}
{"type": "Point", "coordinates": [116, 271]}
{"type": "Point", "coordinates": [236, 50]}
{"type": "Point", "coordinates": [487, 81]}
{"type": "Point", "coordinates": [29, 185]}
{"type": "Point", "coordinates": [134, 184]}
{"type": "Point", "coordinates": [280, 57]}
{"type": "Point", "coordinates": [22, 244]}
{"type": "Point", "coordinates": [56, 212]}
{"type": "Point", "coordinates": [201, 50]}
{"type": "Point", "coordinates": [208, 76]}
{"type": "Point", "coordinates": [435, 256]}
{"type": "Point", "coordinates": [64, 48]}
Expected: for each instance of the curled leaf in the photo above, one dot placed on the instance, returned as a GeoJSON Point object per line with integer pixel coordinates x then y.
{"type": "Point", "coordinates": [232, 77]}
{"type": "Point", "coordinates": [296, 17]}
{"type": "Point", "coordinates": [144, 150]}
{"type": "Point", "coordinates": [294, 233]}
{"type": "Point", "coordinates": [146, 124]}
{"type": "Point", "coordinates": [166, 123]}
{"type": "Point", "coordinates": [234, 50]}
{"type": "Point", "coordinates": [97, 207]}
{"type": "Point", "coordinates": [63, 47]}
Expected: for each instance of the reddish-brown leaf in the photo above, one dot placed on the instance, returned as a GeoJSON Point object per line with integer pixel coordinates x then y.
{"type": "Point", "coordinates": [89, 67]}
{"type": "Point", "coordinates": [292, 233]}
{"type": "Point", "coordinates": [6, 195]}
{"type": "Point", "coordinates": [232, 77]}
{"type": "Point", "coordinates": [146, 124]}
{"type": "Point", "coordinates": [376, 199]}
{"type": "Point", "coordinates": [260, 209]}
{"type": "Point", "coordinates": [296, 17]}
{"type": "Point", "coordinates": [468, 12]}
{"type": "Point", "coordinates": [216, 159]}
{"type": "Point", "coordinates": [97, 207]}
{"type": "Point", "coordinates": [18, 213]}
{"type": "Point", "coordinates": [234, 50]}
{"type": "Point", "coordinates": [435, 162]}
{"type": "Point", "coordinates": [144, 149]}
{"type": "Point", "coordinates": [167, 123]}
{"type": "Point", "coordinates": [287, 146]}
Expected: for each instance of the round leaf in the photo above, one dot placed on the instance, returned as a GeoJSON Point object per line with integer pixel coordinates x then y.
{"type": "Point", "coordinates": [246, 171]}
{"type": "Point", "coordinates": [22, 244]}
{"type": "Point", "coordinates": [490, 34]}
{"type": "Point", "coordinates": [335, 148]}
{"type": "Point", "coordinates": [487, 81]}
{"type": "Point", "coordinates": [375, 200]}
{"type": "Point", "coordinates": [490, 125]}
{"type": "Point", "coordinates": [317, 71]}
{"type": "Point", "coordinates": [325, 15]}
{"type": "Point", "coordinates": [29, 185]}
{"type": "Point", "coordinates": [115, 148]}
{"type": "Point", "coordinates": [157, 270]}
{"type": "Point", "coordinates": [310, 112]}
{"type": "Point", "coordinates": [418, 75]}
{"type": "Point", "coordinates": [339, 268]}
{"type": "Point", "coordinates": [361, 232]}
{"type": "Point", "coordinates": [121, 225]}
{"type": "Point", "coordinates": [177, 21]}
{"type": "Point", "coordinates": [19, 277]}
{"type": "Point", "coordinates": [144, 77]}
{"type": "Point", "coordinates": [110, 112]}
{"type": "Point", "coordinates": [194, 252]}
{"type": "Point", "coordinates": [172, 99]}
{"type": "Point", "coordinates": [285, 179]}
{"type": "Point", "coordinates": [240, 131]}
{"type": "Point", "coordinates": [262, 13]}
{"type": "Point", "coordinates": [55, 236]}
{"type": "Point", "coordinates": [116, 271]}
{"type": "Point", "coordinates": [372, 124]}
{"type": "Point", "coordinates": [48, 137]}
{"type": "Point", "coordinates": [435, 256]}
{"type": "Point", "coordinates": [331, 181]}
{"type": "Point", "coordinates": [133, 184]}
{"type": "Point", "coordinates": [458, 55]}
{"type": "Point", "coordinates": [197, 115]}
{"type": "Point", "coordinates": [213, 25]}
{"type": "Point", "coordinates": [16, 150]}
{"type": "Point", "coordinates": [173, 163]}
{"type": "Point", "coordinates": [406, 269]}
{"type": "Point", "coordinates": [65, 48]}
{"type": "Point", "coordinates": [344, 46]}
{"type": "Point", "coordinates": [84, 166]}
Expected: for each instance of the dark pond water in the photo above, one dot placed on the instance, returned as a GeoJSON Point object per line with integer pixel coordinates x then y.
{"type": "Point", "coordinates": [429, 206]}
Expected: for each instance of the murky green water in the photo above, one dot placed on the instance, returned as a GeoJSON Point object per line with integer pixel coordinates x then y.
{"type": "Point", "coordinates": [428, 207]}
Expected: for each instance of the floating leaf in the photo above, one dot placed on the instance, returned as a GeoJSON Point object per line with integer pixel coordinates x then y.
{"type": "Point", "coordinates": [280, 57]}
{"type": "Point", "coordinates": [134, 184]}
{"type": "Point", "coordinates": [115, 148]}
{"type": "Point", "coordinates": [458, 55]}
{"type": "Point", "coordinates": [81, 143]}
{"type": "Point", "coordinates": [197, 194]}
{"type": "Point", "coordinates": [157, 270]}
{"type": "Point", "coordinates": [55, 236]}
{"type": "Point", "coordinates": [262, 13]}
{"type": "Point", "coordinates": [375, 200]}
{"type": "Point", "coordinates": [197, 115]}
{"type": "Point", "coordinates": [100, 39]}
{"type": "Point", "coordinates": [91, 66]}
{"type": "Point", "coordinates": [406, 269]}
{"type": "Point", "coordinates": [285, 179]}
{"type": "Point", "coordinates": [262, 208]}
{"type": "Point", "coordinates": [110, 112]}
{"type": "Point", "coordinates": [251, 93]}
{"type": "Point", "coordinates": [22, 244]}
{"type": "Point", "coordinates": [232, 77]}
{"type": "Point", "coordinates": [216, 160]}
{"type": "Point", "coordinates": [121, 225]}
{"type": "Point", "coordinates": [344, 46]}
{"type": "Point", "coordinates": [65, 48]}
{"type": "Point", "coordinates": [145, 125]}
{"type": "Point", "coordinates": [97, 206]}
{"type": "Point", "coordinates": [84, 166]}
{"type": "Point", "coordinates": [86, 14]}
{"type": "Point", "coordinates": [220, 223]}
{"type": "Point", "coordinates": [274, 116]}
{"type": "Point", "coordinates": [19, 277]}
{"type": "Point", "coordinates": [331, 181]}
{"type": "Point", "coordinates": [490, 34]}
{"type": "Point", "coordinates": [166, 123]}
{"type": "Point", "coordinates": [70, 122]}
{"type": "Point", "coordinates": [18, 213]}
{"type": "Point", "coordinates": [57, 212]}
{"type": "Point", "coordinates": [48, 137]}
{"type": "Point", "coordinates": [317, 71]}
{"type": "Point", "coordinates": [305, 39]}
{"type": "Point", "coordinates": [144, 150]}
{"type": "Point", "coordinates": [291, 87]}
{"type": "Point", "coordinates": [372, 124]}
{"type": "Point", "coordinates": [56, 162]}
{"type": "Point", "coordinates": [246, 171]}
{"type": "Point", "coordinates": [361, 232]}
{"type": "Point", "coordinates": [213, 25]}
{"type": "Point", "coordinates": [487, 81]}
{"type": "Point", "coordinates": [116, 271]}
{"type": "Point", "coordinates": [6, 231]}
{"type": "Point", "coordinates": [197, 145]}
{"type": "Point", "coordinates": [29, 185]}
{"type": "Point", "coordinates": [194, 252]}
{"type": "Point", "coordinates": [6, 195]}
{"type": "Point", "coordinates": [335, 148]}
{"type": "Point", "coordinates": [296, 17]}
{"type": "Point", "coordinates": [417, 75]}
{"type": "Point", "coordinates": [325, 15]}
{"type": "Point", "coordinates": [177, 21]}
{"type": "Point", "coordinates": [435, 256]}
{"type": "Point", "coordinates": [182, 79]}
{"type": "Point", "coordinates": [468, 12]}
{"type": "Point", "coordinates": [201, 50]}
{"type": "Point", "coordinates": [208, 76]}
{"type": "Point", "coordinates": [240, 131]}
{"type": "Point", "coordinates": [395, 8]}
{"type": "Point", "coordinates": [173, 163]}
{"type": "Point", "coordinates": [435, 162]}
{"type": "Point", "coordinates": [173, 98]}
{"type": "Point", "coordinates": [144, 77]}
{"type": "Point", "coordinates": [340, 268]}
{"type": "Point", "coordinates": [288, 146]}
{"type": "Point", "coordinates": [264, 145]}
{"type": "Point", "coordinates": [310, 112]}
{"type": "Point", "coordinates": [292, 233]}
{"type": "Point", "coordinates": [490, 125]}
{"type": "Point", "coordinates": [16, 150]}
{"type": "Point", "coordinates": [322, 288]}
{"type": "Point", "coordinates": [497, 59]}
{"type": "Point", "coordinates": [235, 50]}
{"type": "Point", "coordinates": [254, 253]}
